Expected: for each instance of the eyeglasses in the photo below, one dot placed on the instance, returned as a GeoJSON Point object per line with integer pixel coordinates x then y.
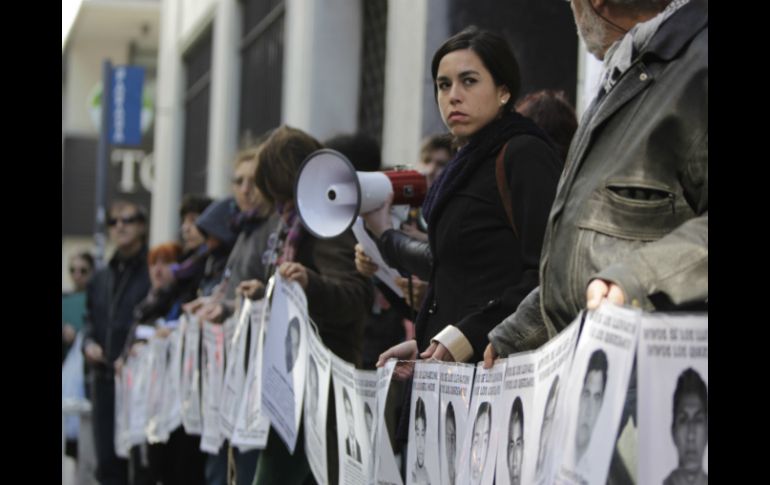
{"type": "Point", "coordinates": [112, 221]}
{"type": "Point", "coordinates": [79, 270]}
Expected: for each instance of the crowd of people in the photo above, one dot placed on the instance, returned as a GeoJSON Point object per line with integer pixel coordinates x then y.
{"type": "Point", "coordinates": [529, 218]}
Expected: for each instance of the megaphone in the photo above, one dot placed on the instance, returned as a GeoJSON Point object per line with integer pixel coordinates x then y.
{"type": "Point", "coordinates": [330, 193]}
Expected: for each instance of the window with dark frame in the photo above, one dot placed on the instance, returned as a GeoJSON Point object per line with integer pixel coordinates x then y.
{"type": "Point", "coordinates": [197, 63]}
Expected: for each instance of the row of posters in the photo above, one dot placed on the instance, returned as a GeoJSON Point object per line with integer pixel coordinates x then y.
{"type": "Point", "coordinates": [545, 416]}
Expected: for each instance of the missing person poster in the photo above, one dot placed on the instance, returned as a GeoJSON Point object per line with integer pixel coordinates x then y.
{"type": "Point", "coordinates": [455, 386]}
{"type": "Point", "coordinates": [316, 403]}
{"type": "Point", "coordinates": [285, 356]}
{"type": "Point", "coordinates": [155, 429]}
{"type": "Point", "coordinates": [552, 366]}
{"type": "Point", "coordinates": [479, 450]}
{"type": "Point", "coordinates": [352, 443]}
{"type": "Point", "coordinates": [137, 413]}
{"type": "Point", "coordinates": [191, 400]}
{"type": "Point", "coordinates": [515, 409]}
{"type": "Point", "coordinates": [213, 369]}
{"type": "Point", "coordinates": [386, 470]}
{"type": "Point", "coordinates": [673, 400]}
{"type": "Point", "coordinates": [122, 381]}
{"type": "Point", "coordinates": [366, 386]}
{"type": "Point", "coordinates": [252, 425]}
{"type": "Point", "coordinates": [422, 459]}
{"type": "Point", "coordinates": [595, 393]}
{"type": "Point", "coordinates": [172, 400]}
{"type": "Point", "coordinates": [235, 373]}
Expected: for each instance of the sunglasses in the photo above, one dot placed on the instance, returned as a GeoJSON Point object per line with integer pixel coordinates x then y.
{"type": "Point", "coordinates": [82, 270]}
{"type": "Point", "coordinates": [112, 221]}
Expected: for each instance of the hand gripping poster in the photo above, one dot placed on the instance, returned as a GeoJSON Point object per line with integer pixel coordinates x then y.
{"type": "Point", "coordinates": [285, 356]}
{"type": "Point", "coordinates": [673, 404]}
{"type": "Point", "coordinates": [352, 444]}
{"type": "Point", "coordinates": [516, 408]}
{"type": "Point", "coordinates": [172, 400]}
{"type": "Point", "coordinates": [595, 393]}
{"type": "Point", "coordinates": [455, 386]}
{"type": "Point", "coordinates": [155, 430]}
{"type": "Point", "coordinates": [422, 458]}
{"type": "Point", "coordinates": [385, 273]}
{"type": "Point", "coordinates": [386, 470]}
{"type": "Point", "coordinates": [191, 397]}
{"type": "Point", "coordinates": [553, 361]}
{"type": "Point", "coordinates": [235, 373]}
{"type": "Point", "coordinates": [213, 369]}
{"type": "Point", "coordinates": [479, 449]}
{"type": "Point", "coordinates": [316, 405]}
{"type": "Point", "coordinates": [252, 425]}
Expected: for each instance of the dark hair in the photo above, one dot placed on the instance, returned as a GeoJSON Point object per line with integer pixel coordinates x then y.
{"type": "Point", "coordinates": [598, 362]}
{"type": "Point", "coordinates": [690, 382]}
{"type": "Point", "coordinates": [193, 204]}
{"type": "Point", "coordinates": [419, 412]}
{"type": "Point", "coordinates": [494, 52]}
{"type": "Point", "coordinates": [362, 150]}
{"type": "Point", "coordinates": [517, 410]}
{"type": "Point", "coordinates": [85, 256]}
{"type": "Point", "coordinates": [279, 159]}
{"type": "Point", "coordinates": [436, 142]}
{"type": "Point", "coordinates": [554, 114]}
{"type": "Point", "coordinates": [484, 408]}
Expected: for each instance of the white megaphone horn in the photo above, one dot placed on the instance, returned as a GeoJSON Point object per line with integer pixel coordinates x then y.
{"type": "Point", "coordinates": [330, 194]}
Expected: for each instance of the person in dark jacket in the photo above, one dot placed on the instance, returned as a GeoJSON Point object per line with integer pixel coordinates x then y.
{"type": "Point", "coordinates": [111, 297]}
{"type": "Point", "coordinates": [479, 262]}
{"type": "Point", "coordinates": [338, 297]}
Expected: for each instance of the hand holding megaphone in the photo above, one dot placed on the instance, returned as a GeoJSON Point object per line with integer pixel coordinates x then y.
{"type": "Point", "coordinates": [330, 194]}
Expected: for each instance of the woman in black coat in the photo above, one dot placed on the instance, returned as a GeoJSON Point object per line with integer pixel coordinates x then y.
{"type": "Point", "coordinates": [483, 261]}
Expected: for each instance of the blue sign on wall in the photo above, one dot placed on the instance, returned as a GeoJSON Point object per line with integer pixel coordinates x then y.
{"type": "Point", "coordinates": [126, 105]}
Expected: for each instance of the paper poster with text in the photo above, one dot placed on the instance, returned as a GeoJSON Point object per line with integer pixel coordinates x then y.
{"type": "Point", "coordinates": [595, 393]}
{"type": "Point", "coordinates": [479, 450]}
{"type": "Point", "coordinates": [386, 471]}
{"type": "Point", "coordinates": [172, 385]}
{"type": "Point", "coordinates": [121, 411]}
{"type": "Point", "coordinates": [422, 465]}
{"type": "Point", "coordinates": [319, 368]}
{"type": "Point", "coordinates": [672, 399]}
{"type": "Point", "coordinates": [235, 373]}
{"type": "Point", "coordinates": [155, 430]}
{"type": "Point", "coordinates": [514, 421]}
{"type": "Point", "coordinates": [455, 386]}
{"type": "Point", "coordinates": [213, 370]}
{"type": "Point", "coordinates": [137, 416]}
{"type": "Point", "coordinates": [352, 443]}
{"type": "Point", "coordinates": [385, 273]}
{"type": "Point", "coordinates": [285, 357]}
{"type": "Point", "coordinates": [252, 425]}
{"type": "Point", "coordinates": [191, 397]}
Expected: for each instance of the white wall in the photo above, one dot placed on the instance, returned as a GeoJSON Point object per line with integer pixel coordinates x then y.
{"type": "Point", "coordinates": [404, 81]}
{"type": "Point", "coordinates": [322, 56]}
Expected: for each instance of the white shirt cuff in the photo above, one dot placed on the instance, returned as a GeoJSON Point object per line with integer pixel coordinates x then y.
{"type": "Point", "coordinates": [455, 342]}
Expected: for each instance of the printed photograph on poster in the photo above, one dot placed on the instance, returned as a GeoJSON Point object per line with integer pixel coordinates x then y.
{"type": "Point", "coordinates": [285, 355]}
{"type": "Point", "coordinates": [155, 429]}
{"type": "Point", "coordinates": [553, 362]}
{"type": "Point", "coordinates": [172, 397]}
{"type": "Point", "coordinates": [235, 373]}
{"type": "Point", "coordinates": [515, 402]}
{"type": "Point", "coordinates": [479, 450]}
{"type": "Point", "coordinates": [386, 469]}
{"type": "Point", "coordinates": [422, 459]}
{"type": "Point", "coordinates": [595, 393]}
{"type": "Point", "coordinates": [252, 425]}
{"type": "Point", "coordinates": [212, 355]}
{"type": "Point", "coordinates": [366, 386]}
{"type": "Point", "coordinates": [316, 403]}
{"type": "Point", "coordinates": [455, 386]}
{"type": "Point", "coordinates": [191, 402]}
{"type": "Point", "coordinates": [353, 446]}
{"type": "Point", "coordinates": [385, 273]}
{"type": "Point", "coordinates": [673, 399]}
